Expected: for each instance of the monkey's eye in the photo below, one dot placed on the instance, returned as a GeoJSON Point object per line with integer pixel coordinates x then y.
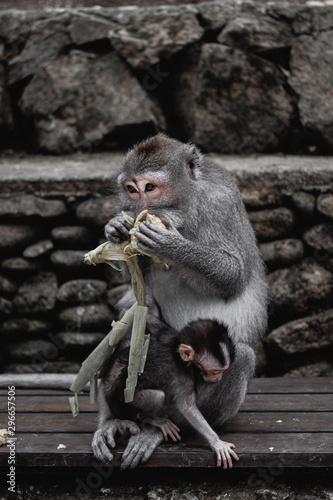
{"type": "Point", "coordinates": [131, 189]}
{"type": "Point", "coordinates": [150, 187]}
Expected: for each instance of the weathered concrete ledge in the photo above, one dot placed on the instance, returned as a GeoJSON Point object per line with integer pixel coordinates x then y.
{"type": "Point", "coordinates": [85, 174]}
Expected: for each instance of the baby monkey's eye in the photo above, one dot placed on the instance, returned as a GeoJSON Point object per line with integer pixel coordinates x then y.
{"type": "Point", "coordinates": [150, 187]}
{"type": "Point", "coordinates": [131, 189]}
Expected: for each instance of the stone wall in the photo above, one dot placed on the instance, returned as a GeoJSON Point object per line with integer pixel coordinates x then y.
{"type": "Point", "coordinates": [54, 309]}
{"type": "Point", "coordinates": [234, 77]}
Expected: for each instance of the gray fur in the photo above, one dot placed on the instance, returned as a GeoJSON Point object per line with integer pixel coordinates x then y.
{"type": "Point", "coordinates": [210, 240]}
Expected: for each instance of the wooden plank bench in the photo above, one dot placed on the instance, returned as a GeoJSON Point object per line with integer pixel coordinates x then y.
{"type": "Point", "coordinates": [284, 422]}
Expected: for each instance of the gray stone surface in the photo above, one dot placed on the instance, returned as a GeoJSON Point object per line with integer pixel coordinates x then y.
{"type": "Point", "coordinates": [249, 32]}
{"type": "Point", "coordinates": [72, 236]}
{"type": "Point", "coordinates": [219, 83]}
{"type": "Point", "coordinates": [31, 206]}
{"type": "Point", "coordinates": [8, 287]}
{"type": "Point", "coordinates": [38, 249]}
{"type": "Point", "coordinates": [272, 224]}
{"type": "Point", "coordinates": [320, 369]}
{"type": "Point", "coordinates": [311, 74]}
{"type": "Point", "coordinates": [6, 307]}
{"type": "Point", "coordinates": [32, 350]}
{"type": "Point", "coordinates": [325, 204]}
{"type": "Point", "coordinates": [68, 259]}
{"type": "Point", "coordinates": [320, 237]}
{"type": "Point", "coordinates": [38, 294]}
{"type": "Point", "coordinates": [304, 202]}
{"type": "Point", "coordinates": [87, 317]}
{"type": "Point", "coordinates": [43, 367]}
{"type": "Point", "coordinates": [96, 211]}
{"type": "Point", "coordinates": [81, 291]}
{"type": "Point", "coordinates": [27, 327]}
{"type": "Point", "coordinates": [145, 36]}
{"type": "Point", "coordinates": [296, 289]}
{"type": "Point", "coordinates": [79, 99]}
{"type": "Point", "coordinates": [78, 342]}
{"type": "Point", "coordinates": [19, 265]}
{"type": "Point", "coordinates": [303, 335]}
{"type": "Point", "coordinates": [282, 253]}
{"type": "Point", "coordinates": [15, 237]}
{"type": "Point", "coordinates": [6, 117]}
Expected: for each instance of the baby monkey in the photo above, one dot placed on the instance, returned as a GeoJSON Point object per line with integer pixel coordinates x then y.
{"type": "Point", "coordinates": [165, 395]}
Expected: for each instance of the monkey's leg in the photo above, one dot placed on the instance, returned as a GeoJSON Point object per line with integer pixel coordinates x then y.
{"type": "Point", "coordinates": [152, 403]}
{"type": "Point", "coordinates": [141, 446]}
{"type": "Point", "coordinates": [107, 428]}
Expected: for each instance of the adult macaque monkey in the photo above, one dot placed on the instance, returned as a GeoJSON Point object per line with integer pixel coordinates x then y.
{"type": "Point", "coordinates": [165, 393]}
{"type": "Point", "coordinates": [216, 271]}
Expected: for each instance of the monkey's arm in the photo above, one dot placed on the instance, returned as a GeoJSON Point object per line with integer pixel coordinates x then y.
{"type": "Point", "coordinates": [221, 266]}
{"type": "Point", "coordinates": [224, 450]}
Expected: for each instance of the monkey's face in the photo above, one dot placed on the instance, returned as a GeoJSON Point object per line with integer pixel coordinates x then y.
{"type": "Point", "coordinates": [148, 192]}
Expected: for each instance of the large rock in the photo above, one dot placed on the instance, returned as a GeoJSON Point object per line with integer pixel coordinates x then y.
{"type": "Point", "coordinates": [272, 223]}
{"type": "Point", "coordinates": [304, 202]}
{"type": "Point", "coordinates": [303, 335]}
{"type": "Point", "coordinates": [28, 327]}
{"type": "Point", "coordinates": [46, 43]}
{"type": "Point", "coordinates": [38, 249]}
{"type": "Point", "coordinates": [311, 76]}
{"type": "Point", "coordinates": [145, 36]}
{"type": "Point", "coordinates": [68, 259]}
{"type": "Point", "coordinates": [81, 291]}
{"type": "Point", "coordinates": [96, 211]}
{"type": "Point", "coordinates": [318, 369]}
{"type": "Point", "coordinates": [38, 294]}
{"type": "Point", "coordinates": [295, 289]}
{"type": "Point", "coordinates": [233, 102]}
{"type": "Point", "coordinates": [320, 237]}
{"type": "Point", "coordinates": [31, 206]}
{"type": "Point", "coordinates": [43, 367]}
{"type": "Point", "coordinates": [72, 236]}
{"type": "Point", "coordinates": [32, 350]}
{"type": "Point", "coordinates": [325, 204]}
{"type": "Point", "coordinates": [6, 117]}
{"type": "Point", "coordinates": [77, 101]}
{"type": "Point", "coordinates": [14, 237]}
{"type": "Point", "coordinates": [80, 342]}
{"type": "Point", "coordinates": [19, 265]}
{"type": "Point", "coordinates": [282, 252]}
{"type": "Point", "coordinates": [254, 33]}
{"type": "Point", "coordinates": [6, 307]}
{"type": "Point", "coordinates": [8, 287]}
{"type": "Point", "coordinates": [91, 318]}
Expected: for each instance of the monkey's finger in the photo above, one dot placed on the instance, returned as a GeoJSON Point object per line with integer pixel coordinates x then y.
{"type": "Point", "coordinates": [100, 449]}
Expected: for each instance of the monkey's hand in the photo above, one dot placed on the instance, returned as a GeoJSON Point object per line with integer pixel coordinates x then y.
{"type": "Point", "coordinates": [224, 452]}
{"type": "Point", "coordinates": [117, 229]}
{"type": "Point", "coordinates": [141, 447]}
{"type": "Point", "coordinates": [103, 438]}
{"type": "Point", "coordinates": [158, 240]}
{"type": "Point", "coordinates": [168, 428]}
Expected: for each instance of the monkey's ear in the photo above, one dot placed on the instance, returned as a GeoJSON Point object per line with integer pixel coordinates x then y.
{"type": "Point", "coordinates": [194, 161]}
{"type": "Point", "coordinates": [186, 352]}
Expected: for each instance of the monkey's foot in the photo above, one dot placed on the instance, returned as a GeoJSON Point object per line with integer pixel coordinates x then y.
{"type": "Point", "coordinates": [103, 438]}
{"type": "Point", "coordinates": [167, 427]}
{"type": "Point", "coordinates": [141, 447]}
{"type": "Point", "coordinates": [224, 452]}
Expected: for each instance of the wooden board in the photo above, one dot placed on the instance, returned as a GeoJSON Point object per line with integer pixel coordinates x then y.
{"type": "Point", "coordinates": [282, 423]}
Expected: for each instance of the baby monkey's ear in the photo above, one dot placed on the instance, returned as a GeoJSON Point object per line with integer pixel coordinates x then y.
{"type": "Point", "coordinates": [186, 352]}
